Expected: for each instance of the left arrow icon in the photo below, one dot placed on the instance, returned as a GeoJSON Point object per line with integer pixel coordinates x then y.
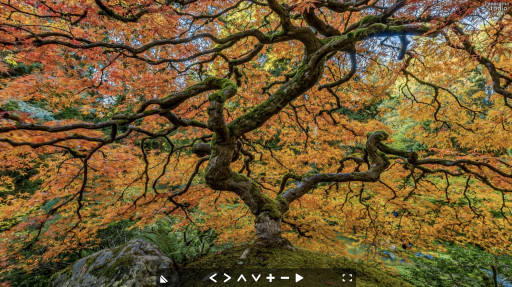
{"type": "Point", "coordinates": [227, 277]}
{"type": "Point", "coordinates": [212, 277]}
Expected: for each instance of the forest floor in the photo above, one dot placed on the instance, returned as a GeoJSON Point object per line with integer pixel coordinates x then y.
{"type": "Point", "coordinates": [316, 268]}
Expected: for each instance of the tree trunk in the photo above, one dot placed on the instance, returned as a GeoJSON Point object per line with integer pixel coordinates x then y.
{"type": "Point", "coordinates": [268, 231]}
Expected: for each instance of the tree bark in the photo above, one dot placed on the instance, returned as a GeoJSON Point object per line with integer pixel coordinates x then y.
{"type": "Point", "coordinates": [268, 231]}
{"type": "Point", "coordinates": [219, 175]}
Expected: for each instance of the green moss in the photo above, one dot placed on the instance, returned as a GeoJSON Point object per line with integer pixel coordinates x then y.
{"type": "Point", "coordinates": [400, 28]}
{"type": "Point", "coordinates": [121, 266]}
{"type": "Point", "coordinates": [367, 19]}
{"type": "Point", "coordinates": [196, 122]}
{"type": "Point", "coordinates": [265, 203]}
{"type": "Point", "coordinates": [281, 199]}
{"type": "Point", "coordinates": [257, 111]}
{"type": "Point", "coordinates": [211, 81]}
{"type": "Point", "coordinates": [363, 32]}
{"type": "Point", "coordinates": [310, 173]}
{"type": "Point", "coordinates": [117, 250]}
{"type": "Point", "coordinates": [226, 83]}
{"type": "Point", "coordinates": [11, 105]}
{"type": "Point", "coordinates": [383, 135]}
{"type": "Point", "coordinates": [223, 84]}
{"type": "Point", "coordinates": [89, 261]}
{"type": "Point", "coordinates": [275, 35]}
{"type": "Point", "coordinates": [112, 272]}
{"type": "Point", "coordinates": [359, 175]}
{"type": "Point", "coordinates": [220, 83]}
{"type": "Point", "coordinates": [384, 158]}
{"type": "Point", "coordinates": [217, 96]}
{"type": "Point", "coordinates": [115, 270]}
{"type": "Point", "coordinates": [356, 33]}
{"type": "Point", "coordinates": [299, 259]}
{"type": "Point", "coordinates": [239, 177]}
{"type": "Point", "coordinates": [260, 110]}
{"type": "Point", "coordinates": [292, 73]}
{"type": "Point", "coordinates": [148, 112]}
{"type": "Point", "coordinates": [214, 139]}
{"type": "Point", "coordinates": [378, 26]}
{"type": "Point", "coordinates": [270, 206]}
{"type": "Point", "coordinates": [68, 271]}
{"type": "Point", "coordinates": [301, 70]}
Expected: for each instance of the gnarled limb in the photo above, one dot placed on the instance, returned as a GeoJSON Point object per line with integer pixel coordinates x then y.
{"type": "Point", "coordinates": [376, 152]}
{"type": "Point", "coordinates": [378, 163]}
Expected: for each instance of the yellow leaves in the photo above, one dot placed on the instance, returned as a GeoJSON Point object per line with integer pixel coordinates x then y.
{"type": "Point", "coordinates": [9, 59]}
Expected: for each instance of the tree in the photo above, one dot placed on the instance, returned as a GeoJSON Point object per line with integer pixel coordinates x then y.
{"type": "Point", "coordinates": [468, 266]}
{"type": "Point", "coordinates": [287, 104]}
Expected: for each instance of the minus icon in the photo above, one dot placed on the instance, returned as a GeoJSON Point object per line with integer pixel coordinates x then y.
{"type": "Point", "coordinates": [285, 277]}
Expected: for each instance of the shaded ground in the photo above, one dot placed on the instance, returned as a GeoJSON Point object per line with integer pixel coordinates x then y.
{"type": "Point", "coordinates": [300, 259]}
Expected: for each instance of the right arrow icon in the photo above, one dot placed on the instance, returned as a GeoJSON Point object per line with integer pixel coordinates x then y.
{"type": "Point", "coordinates": [298, 277]}
{"type": "Point", "coordinates": [227, 277]}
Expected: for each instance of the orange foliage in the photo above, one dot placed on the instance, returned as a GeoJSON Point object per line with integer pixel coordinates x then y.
{"type": "Point", "coordinates": [89, 68]}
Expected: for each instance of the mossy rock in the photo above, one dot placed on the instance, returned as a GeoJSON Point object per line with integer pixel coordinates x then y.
{"type": "Point", "coordinates": [136, 263]}
{"type": "Point", "coordinates": [278, 258]}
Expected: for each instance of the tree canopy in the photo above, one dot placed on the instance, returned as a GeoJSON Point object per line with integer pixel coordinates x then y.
{"type": "Point", "coordinates": [289, 122]}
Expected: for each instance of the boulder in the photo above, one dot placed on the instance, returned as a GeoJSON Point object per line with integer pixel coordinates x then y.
{"type": "Point", "coordinates": [137, 263]}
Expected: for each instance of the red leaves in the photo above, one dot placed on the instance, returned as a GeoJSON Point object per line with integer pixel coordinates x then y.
{"type": "Point", "coordinates": [3, 114]}
{"type": "Point", "coordinates": [32, 3]}
{"type": "Point", "coordinates": [9, 116]}
{"type": "Point", "coordinates": [305, 6]}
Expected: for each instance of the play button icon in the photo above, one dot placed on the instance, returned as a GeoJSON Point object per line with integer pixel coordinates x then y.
{"type": "Point", "coordinates": [298, 277]}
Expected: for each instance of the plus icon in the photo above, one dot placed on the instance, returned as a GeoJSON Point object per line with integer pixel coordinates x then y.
{"type": "Point", "coordinates": [270, 277]}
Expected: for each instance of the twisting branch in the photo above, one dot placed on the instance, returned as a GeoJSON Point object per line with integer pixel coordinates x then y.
{"type": "Point", "coordinates": [300, 231]}
{"type": "Point", "coordinates": [348, 76]}
{"type": "Point", "coordinates": [496, 76]}
{"type": "Point", "coordinates": [376, 152]}
{"type": "Point", "coordinates": [378, 163]}
{"type": "Point", "coordinates": [110, 13]}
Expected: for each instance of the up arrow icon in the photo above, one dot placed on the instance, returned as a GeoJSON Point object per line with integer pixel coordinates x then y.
{"type": "Point", "coordinates": [241, 278]}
